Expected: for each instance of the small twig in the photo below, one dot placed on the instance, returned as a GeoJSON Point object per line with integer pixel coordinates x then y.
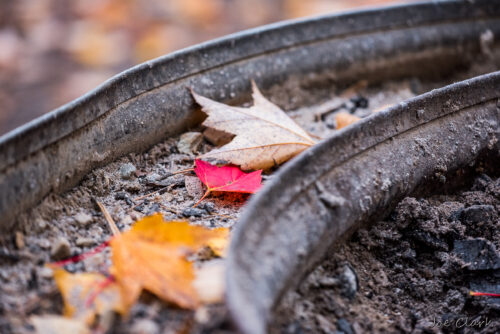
{"type": "Point", "coordinates": [112, 226]}
{"type": "Point", "coordinates": [151, 193]}
{"type": "Point", "coordinates": [183, 171]}
{"type": "Point", "coordinates": [223, 215]}
{"type": "Point", "coordinates": [314, 136]}
{"type": "Point", "coordinates": [169, 209]}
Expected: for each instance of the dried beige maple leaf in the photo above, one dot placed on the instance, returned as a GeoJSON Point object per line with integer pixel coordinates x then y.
{"type": "Point", "coordinates": [264, 134]}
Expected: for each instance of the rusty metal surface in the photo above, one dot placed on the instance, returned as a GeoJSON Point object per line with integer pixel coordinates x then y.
{"type": "Point", "coordinates": [150, 102]}
{"type": "Point", "coordinates": [353, 177]}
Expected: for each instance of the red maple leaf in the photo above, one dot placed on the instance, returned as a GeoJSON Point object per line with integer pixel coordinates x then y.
{"type": "Point", "coordinates": [226, 178]}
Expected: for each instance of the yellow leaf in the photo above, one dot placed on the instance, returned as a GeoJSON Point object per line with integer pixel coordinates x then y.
{"type": "Point", "coordinates": [264, 134]}
{"type": "Point", "coordinates": [152, 256]}
{"type": "Point", "coordinates": [344, 119]}
{"type": "Point", "coordinates": [83, 297]}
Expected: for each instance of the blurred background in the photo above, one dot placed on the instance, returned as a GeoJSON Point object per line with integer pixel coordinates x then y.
{"type": "Point", "coordinates": [52, 51]}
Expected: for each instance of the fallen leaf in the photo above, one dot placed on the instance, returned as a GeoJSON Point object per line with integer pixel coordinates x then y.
{"type": "Point", "coordinates": [54, 324]}
{"type": "Point", "coordinates": [264, 134]}
{"type": "Point", "coordinates": [227, 178]}
{"type": "Point", "coordinates": [152, 256]}
{"type": "Point", "coordinates": [344, 119]}
{"type": "Point", "coordinates": [86, 295]}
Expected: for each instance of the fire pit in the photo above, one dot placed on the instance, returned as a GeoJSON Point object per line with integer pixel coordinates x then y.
{"type": "Point", "coordinates": [318, 199]}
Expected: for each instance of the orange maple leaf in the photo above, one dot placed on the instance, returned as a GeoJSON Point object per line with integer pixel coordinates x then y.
{"type": "Point", "coordinates": [86, 295]}
{"type": "Point", "coordinates": [152, 256]}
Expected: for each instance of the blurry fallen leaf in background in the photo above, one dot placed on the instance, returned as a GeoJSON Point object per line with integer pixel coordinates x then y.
{"type": "Point", "coordinates": [265, 136]}
{"type": "Point", "coordinates": [201, 13]}
{"type": "Point", "coordinates": [85, 297]}
{"type": "Point", "coordinates": [54, 324]}
{"type": "Point", "coordinates": [93, 45]}
{"type": "Point", "coordinates": [209, 281]}
{"type": "Point", "coordinates": [344, 119]}
{"type": "Point", "coordinates": [226, 178]}
{"type": "Point", "coordinates": [152, 256]}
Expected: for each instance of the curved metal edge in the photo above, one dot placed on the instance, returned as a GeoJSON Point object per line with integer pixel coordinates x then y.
{"type": "Point", "coordinates": [350, 178]}
{"type": "Point", "coordinates": [165, 111]}
{"type": "Point", "coordinates": [179, 65]}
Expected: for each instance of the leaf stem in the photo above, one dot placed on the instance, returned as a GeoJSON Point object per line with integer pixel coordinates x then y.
{"type": "Point", "coordinates": [475, 293]}
{"type": "Point", "coordinates": [202, 198]}
{"type": "Point", "coordinates": [151, 193]}
{"type": "Point", "coordinates": [81, 257]}
{"type": "Point", "coordinates": [100, 287]}
{"type": "Point", "coordinates": [182, 171]}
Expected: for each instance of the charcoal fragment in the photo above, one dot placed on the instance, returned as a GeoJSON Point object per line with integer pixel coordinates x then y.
{"type": "Point", "coordinates": [479, 254]}
{"type": "Point", "coordinates": [193, 212]}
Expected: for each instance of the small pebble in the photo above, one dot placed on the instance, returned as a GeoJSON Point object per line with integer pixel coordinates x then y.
{"type": "Point", "coordinates": [60, 249]}
{"type": "Point", "coordinates": [208, 206]}
{"type": "Point", "coordinates": [154, 208]}
{"type": "Point", "coordinates": [127, 171]}
{"type": "Point", "coordinates": [202, 315]}
{"type": "Point", "coordinates": [84, 242]}
{"type": "Point", "coordinates": [41, 224]}
{"type": "Point", "coordinates": [193, 212]}
{"type": "Point", "coordinates": [349, 280]}
{"type": "Point", "coordinates": [139, 208]}
{"type": "Point", "coordinates": [45, 272]}
{"type": "Point", "coordinates": [189, 142]}
{"type": "Point", "coordinates": [344, 326]}
{"type": "Point", "coordinates": [44, 243]}
{"type": "Point", "coordinates": [152, 178]}
{"type": "Point", "coordinates": [145, 326]}
{"type": "Point", "coordinates": [83, 218]}
{"type": "Point", "coordinates": [331, 123]}
{"type": "Point", "coordinates": [19, 240]}
{"type": "Point", "coordinates": [127, 220]}
{"type": "Point", "coordinates": [478, 214]}
{"type": "Point", "coordinates": [122, 195]}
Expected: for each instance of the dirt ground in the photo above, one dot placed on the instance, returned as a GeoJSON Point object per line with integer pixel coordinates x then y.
{"type": "Point", "coordinates": [400, 275]}
{"type": "Point", "coordinates": [410, 273]}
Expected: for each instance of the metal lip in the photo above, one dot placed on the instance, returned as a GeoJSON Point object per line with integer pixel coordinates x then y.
{"type": "Point", "coordinates": [48, 128]}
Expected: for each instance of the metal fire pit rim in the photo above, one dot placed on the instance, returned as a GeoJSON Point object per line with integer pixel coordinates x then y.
{"type": "Point", "coordinates": [254, 208]}
{"type": "Point", "coordinates": [46, 129]}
